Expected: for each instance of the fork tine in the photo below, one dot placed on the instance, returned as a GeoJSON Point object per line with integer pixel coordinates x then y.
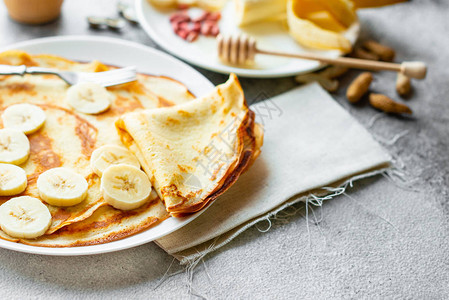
{"type": "Point", "coordinates": [110, 78]}
{"type": "Point", "coordinates": [113, 79]}
{"type": "Point", "coordinates": [119, 81]}
{"type": "Point", "coordinates": [131, 68]}
{"type": "Point", "coordinates": [109, 73]}
{"type": "Point", "coordinates": [117, 77]}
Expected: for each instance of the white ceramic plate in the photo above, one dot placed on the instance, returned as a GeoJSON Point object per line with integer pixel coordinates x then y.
{"type": "Point", "coordinates": [202, 53]}
{"type": "Point", "coordinates": [119, 53]}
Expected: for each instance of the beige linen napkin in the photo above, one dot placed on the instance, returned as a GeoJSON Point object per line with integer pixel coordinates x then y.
{"type": "Point", "coordinates": [310, 142]}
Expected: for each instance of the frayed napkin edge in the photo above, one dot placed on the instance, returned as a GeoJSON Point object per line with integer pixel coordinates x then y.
{"type": "Point", "coordinates": [315, 197]}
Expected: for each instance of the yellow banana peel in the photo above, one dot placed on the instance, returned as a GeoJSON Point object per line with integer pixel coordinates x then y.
{"type": "Point", "coordinates": [315, 27]}
{"type": "Point", "coordinates": [325, 20]}
{"type": "Point", "coordinates": [342, 10]}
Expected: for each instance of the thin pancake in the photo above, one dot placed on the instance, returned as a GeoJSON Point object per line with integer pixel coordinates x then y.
{"type": "Point", "coordinates": [193, 152]}
{"type": "Point", "coordinates": [105, 225]}
{"type": "Point", "coordinates": [68, 137]}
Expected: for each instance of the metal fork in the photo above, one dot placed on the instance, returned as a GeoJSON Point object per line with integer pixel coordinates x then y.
{"type": "Point", "coordinates": [107, 78]}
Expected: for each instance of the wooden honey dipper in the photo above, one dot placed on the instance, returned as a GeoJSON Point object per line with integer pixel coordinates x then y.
{"type": "Point", "coordinates": [241, 48]}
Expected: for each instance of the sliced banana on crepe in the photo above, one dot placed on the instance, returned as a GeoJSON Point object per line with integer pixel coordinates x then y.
{"type": "Point", "coordinates": [125, 187]}
{"type": "Point", "coordinates": [24, 217]}
{"type": "Point", "coordinates": [14, 146]}
{"type": "Point", "coordinates": [88, 98]}
{"type": "Point", "coordinates": [62, 187]}
{"type": "Point", "coordinates": [25, 117]}
{"type": "Point", "coordinates": [108, 155]}
{"type": "Point", "coordinates": [13, 180]}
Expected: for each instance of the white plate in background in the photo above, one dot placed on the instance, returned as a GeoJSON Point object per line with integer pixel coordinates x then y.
{"type": "Point", "coordinates": [202, 52]}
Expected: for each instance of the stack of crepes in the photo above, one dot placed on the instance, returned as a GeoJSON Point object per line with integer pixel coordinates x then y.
{"type": "Point", "coordinates": [173, 134]}
{"type": "Point", "coordinates": [194, 152]}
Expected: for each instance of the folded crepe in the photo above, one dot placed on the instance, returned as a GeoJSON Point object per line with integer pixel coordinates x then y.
{"type": "Point", "coordinates": [193, 152]}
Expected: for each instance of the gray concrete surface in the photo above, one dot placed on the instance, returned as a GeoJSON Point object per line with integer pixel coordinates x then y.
{"type": "Point", "coordinates": [380, 241]}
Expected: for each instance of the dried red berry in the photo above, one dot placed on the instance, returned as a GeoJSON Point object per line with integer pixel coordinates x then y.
{"type": "Point", "coordinates": [214, 31]}
{"type": "Point", "coordinates": [214, 16]}
{"type": "Point", "coordinates": [183, 33]}
{"type": "Point", "coordinates": [192, 36]}
{"type": "Point", "coordinates": [196, 27]}
{"type": "Point", "coordinates": [179, 17]}
{"type": "Point", "coordinates": [202, 17]}
{"type": "Point", "coordinates": [206, 28]}
{"type": "Point", "coordinates": [190, 29]}
{"type": "Point", "coordinates": [175, 26]}
{"type": "Point", "coordinates": [184, 26]}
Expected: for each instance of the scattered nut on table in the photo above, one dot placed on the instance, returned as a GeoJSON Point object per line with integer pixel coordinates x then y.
{"type": "Point", "coordinates": [364, 54]}
{"type": "Point", "coordinates": [403, 84]}
{"type": "Point", "coordinates": [331, 85]}
{"type": "Point", "coordinates": [385, 53]}
{"type": "Point", "coordinates": [333, 72]}
{"type": "Point", "coordinates": [359, 87]}
{"type": "Point", "coordinates": [388, 105]}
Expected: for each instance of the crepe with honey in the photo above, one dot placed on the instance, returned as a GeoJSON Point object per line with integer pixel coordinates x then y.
{"type": "Point", "coordinates": [195, 151]}
{"type": "Point", "coordinates": [68, 137]}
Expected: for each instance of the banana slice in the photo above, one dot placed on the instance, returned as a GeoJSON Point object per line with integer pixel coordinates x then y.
{"type": "Point", "coordinates": [14, 146]}
{"type": "Point", "coordinates": [25, 117]}
{"type": "Point", "coordinates": [88, 98]}
{"type": "Point", "coordinates": [125, 187]}
{"type": "Point", "coordinates": [13, 180]}
{"type": "Point", "coordinates": [108, 155]}
{"type": "Point", "coordinates": [24, 217]}
{"type": "Point", "coordinates": [62, 187]}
